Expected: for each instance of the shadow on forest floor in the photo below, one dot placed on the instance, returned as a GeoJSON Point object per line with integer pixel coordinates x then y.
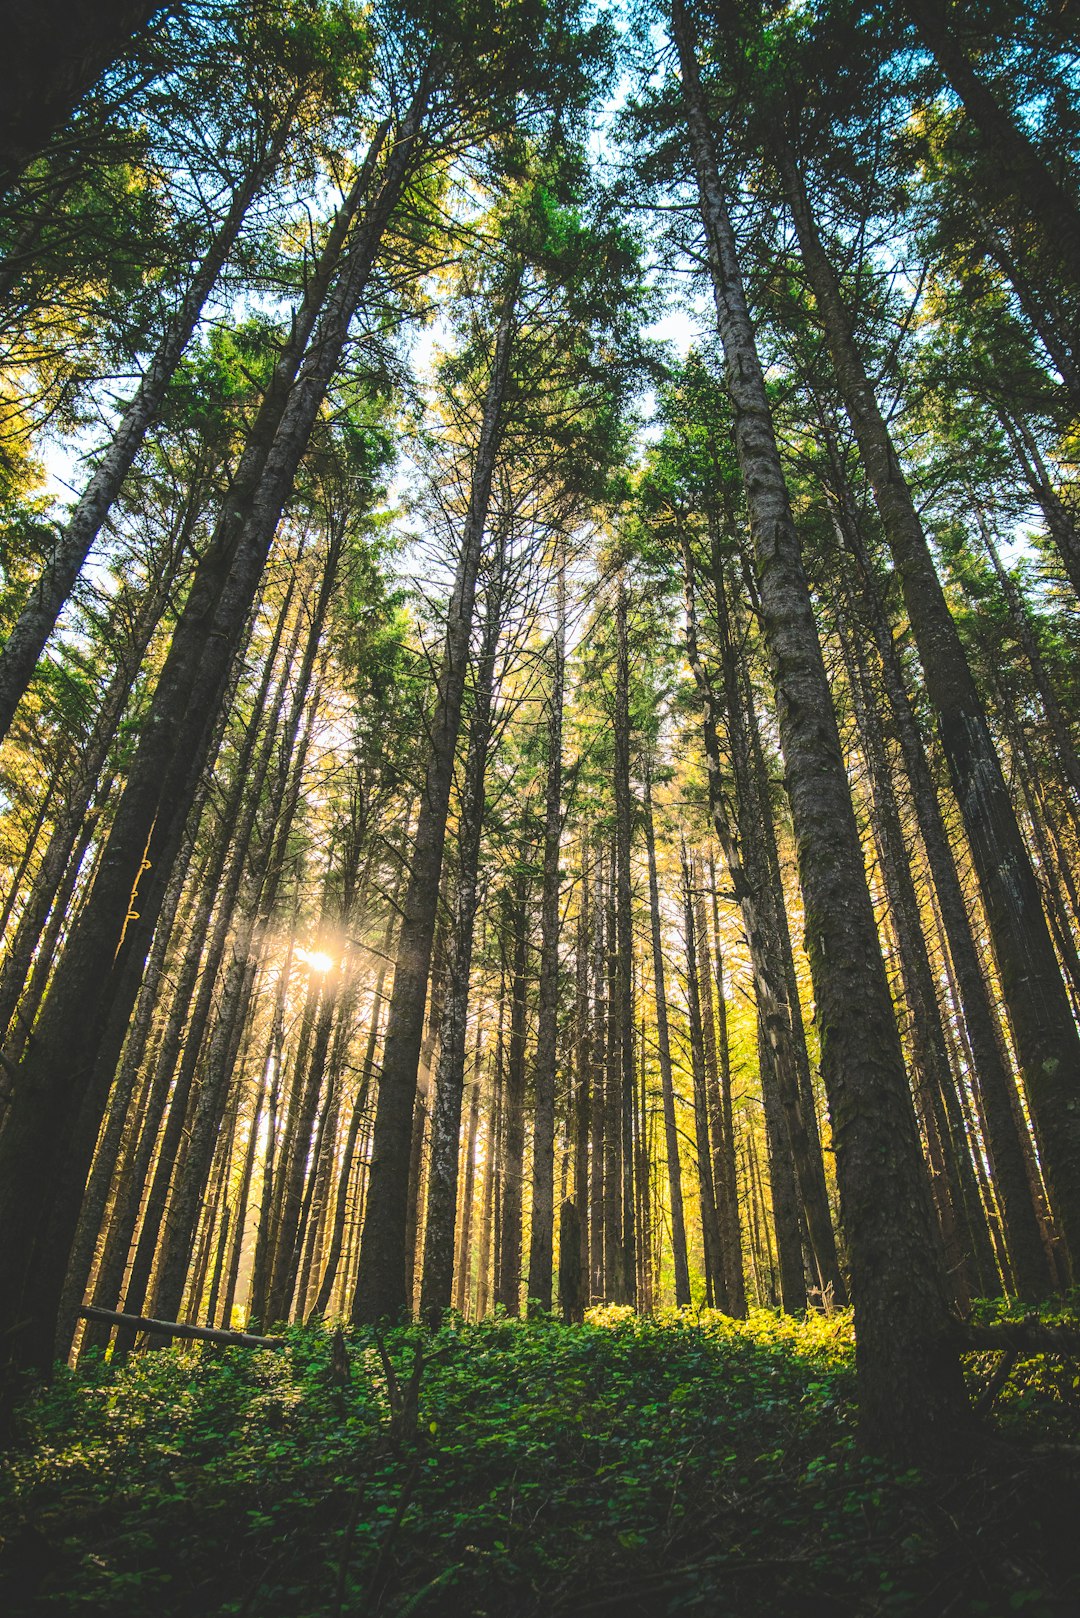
{"type": "Point", "coordinates": [684, 1466]}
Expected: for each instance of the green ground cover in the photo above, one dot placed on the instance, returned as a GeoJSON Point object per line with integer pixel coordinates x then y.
{"type": "Point", "coordinates": [686, 1465]}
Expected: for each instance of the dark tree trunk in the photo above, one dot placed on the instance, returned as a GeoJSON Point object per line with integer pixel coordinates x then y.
{"type": "Point", "coordinates": [727, 1185]}
{"type": "Point", "coordinates": [542, 1229]}
{"type": "Point", "coordinates": [508, 1288]}
{"type": "Point", "coordinates": [571, 1280]}
{"type": "Point", "coordinates": [1007, 1130]}
{"type": "Point", "coordinates": [614, 1272]}
{"type": "Point", "coordinates": [624, 924]}
{"type": "Point", "coordinates": [663, 1039]}
{"type": "Point", "coordinates": [438, 1271]}
{"type": "Point", "coordinates": [54, 52]}
{"type": "Point", "coordinates": [933, 1075]}
{"type": "Point", "coordinates": [911, 1391]}
{"type": "Point", "coordinates": [743, 833]}
{"type": "Point", "coordinates": [462, 1290]}
{"type": "Point", "coordinates": [710, 1225]}
{"type": "Point", "coordinates": [381, 1287]}
{"type": "Point", "coordinates": [1047, 1042]}
{"type": "Point", "coordinates": [43, 1166]}
{"type": "Point", "coordinates": [597, 1165]}
{"type": "Point", "coordinates": [583, 1099]}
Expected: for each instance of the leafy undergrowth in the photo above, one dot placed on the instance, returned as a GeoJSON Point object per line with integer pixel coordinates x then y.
{"type": "Point", "coordinates": [626, 1467]}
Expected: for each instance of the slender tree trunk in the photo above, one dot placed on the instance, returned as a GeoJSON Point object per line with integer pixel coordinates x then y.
{"type": "Point", "coordinates": [727, 1185]}
{"type": "Point", "coordinates": [583, 1100]}
{"type": "Point", "coordinates": [1044, 1031]}
{"type": "Point", "coordinates": [381, 1287]}
{"type": "Point", "coordinates": [598, 1280]}
{"type": "Point", "coordinates": [1007, 1129]}
{"type": "Point", "coordinates": [614, 1272]}
{"type": "Point", "coordinates": [710, 1225]}
{"type": "Point", "coordinates": [667, 1086]}
{"type": "Point", "coordinates": [188, 1022]}
{"type": "Point", "coordinates": [624, 933]}
{"type": "Point", "coordinates": [489, 1191]}
{"type": "Point", "coordinates": [542, 1229]}
{"type": "Point", "coordinates": [438, 1271]}
{"type": "Point", "coordinates": [508, 1290]}
{"type": "Point", "coordinates": [468, 1194]}
{"type": "Point", "coordinates": [43, 1166]}
{"type": "Point", "coordinates": [35, 623]}
{"type": "Point", "coordinates": [911, 1390]}
{"type": "Point", "coordinates": [742, 833]}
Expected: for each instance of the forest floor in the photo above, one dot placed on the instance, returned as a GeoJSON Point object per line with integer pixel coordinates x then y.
{"type": "Point", "coordinates": [690, 1465]}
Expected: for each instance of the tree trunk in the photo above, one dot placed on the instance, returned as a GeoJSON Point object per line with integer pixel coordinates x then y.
{"type": "Point", "coordinates": [742, 833]}
{"type": "Point", "coordinates": [597, 1287]}
{"type": "Point", "coordinates": [542, 1231]}
{"type": "Point", "coordinates": [381, 1286]}
{"type": "Point", "coordinates": [1044, 1031]}
{"type": "Point", "coordinates": [583, 1099]}
{"type": "Point", "coordinates": [667, 1086]}
{"type": "Point", "coordinates": [992, 1071]}
{"type": "Point", "coordinates": [35, 623]}
{"type": "Point", "coordinates": [508, 1289]}
{"type": "Point", "coordinates": [438, 1272]}
{"type": "Point", "coordinates": [911, 1392]}
{"type": "Point", "coordinates": [727, 1185]}
{"type": "Point", "coordinates": [43, 1166]}
{"type": "Point", "coordinates": [710, 1225]}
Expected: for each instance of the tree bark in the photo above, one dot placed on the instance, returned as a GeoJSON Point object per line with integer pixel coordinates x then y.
{"type": "Point", "coordinates": [911, 1392]}
{"type": "Point", "coordinates": [35, 623]}
{"type": "Point", "coordinates": [667, 1086]}
{"type": "Point", "coordinates": [991, 1069]}
{"type": "Point", "coordinates": [508, 1288]}
{"type": "Point", "coordinates": [542, 1229]}
{"type": "Point", "coordinates": [624, 929]}
{"type": "Point", "coordinates": [1047, 1042]}
{"type": "Point", "coordinates": [43, 1166]}
{"type": "Point", "coordinates": [438, 1271]}
{"type": "Point", "coordinates": [381, 1289]}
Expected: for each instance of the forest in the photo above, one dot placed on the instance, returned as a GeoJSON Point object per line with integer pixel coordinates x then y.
{"type": "Point", "coordinates": [540, 807]}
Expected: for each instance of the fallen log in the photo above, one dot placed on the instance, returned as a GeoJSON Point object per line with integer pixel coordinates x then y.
{"type": "Point", "coordinates": [1029, 1336]}
{"type": "Point", "coordinates": [176, 1328]}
